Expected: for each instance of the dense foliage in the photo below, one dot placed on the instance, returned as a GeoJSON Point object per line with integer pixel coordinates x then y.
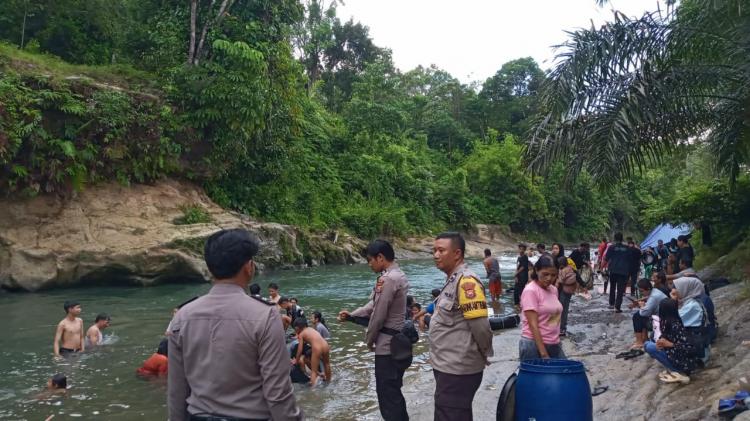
{"type": "Point", "coordinates": [287, 113]}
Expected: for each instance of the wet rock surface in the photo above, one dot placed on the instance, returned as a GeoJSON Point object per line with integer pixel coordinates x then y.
{"type": "Point", "coordinates": [596, 335]}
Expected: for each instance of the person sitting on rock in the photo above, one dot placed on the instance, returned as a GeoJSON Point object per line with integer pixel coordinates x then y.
{"type": "Point", "coordinates": [673, 349]}
{"type": "Point", "coordinates": [647, 307]}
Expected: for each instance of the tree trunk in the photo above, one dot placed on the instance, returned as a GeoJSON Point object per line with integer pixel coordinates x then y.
{"type": "Point", "coordinates": [193, 18]}
{"type": "Point", "coordinates": [23, 26]}
{"type": "Point", "coordinates": [225, 4]}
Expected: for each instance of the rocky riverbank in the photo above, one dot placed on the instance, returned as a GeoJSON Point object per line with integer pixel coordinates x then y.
{"type": "Point", "coordinates": [634, 391]}
{"type": "Point", "coordinates": [112, 234]}
{"type": "Point", "coordinates": [109, 234]}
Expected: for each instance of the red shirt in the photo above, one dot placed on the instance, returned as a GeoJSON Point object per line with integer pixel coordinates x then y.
{"type": "Point", "coordinates": [154, 366]}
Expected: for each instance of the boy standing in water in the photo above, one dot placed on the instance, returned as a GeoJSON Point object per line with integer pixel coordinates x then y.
{"type": "Point", "coordinates": [319, 350]}
{"type": "Point", "coordinates": [94, 334]}
{"type": "Point", "coordinates": [69, 331]}
{"type": "Point", "coordinates": [492, 266]}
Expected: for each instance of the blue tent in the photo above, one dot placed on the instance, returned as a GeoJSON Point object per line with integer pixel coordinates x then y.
{"type": "Point", "coordinates": [665, 232]}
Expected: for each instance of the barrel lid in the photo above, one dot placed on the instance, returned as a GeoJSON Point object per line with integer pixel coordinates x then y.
{"type": "Point", "coordinates": [553, 366]}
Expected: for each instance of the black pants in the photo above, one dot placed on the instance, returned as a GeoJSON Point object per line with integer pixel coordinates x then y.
{"type": "Point", "coordinates": [389, 376]}
{"type": "Point", "coordinates": [640, 323]}
{"type": "Point", "coordinates": [617, 282]}
{"type": "Point", "coordinates": [454, 395]}
{"type": "Point", "coordinates": [518, 289]}
{"type": "Point", "coordinates": [634, 282]}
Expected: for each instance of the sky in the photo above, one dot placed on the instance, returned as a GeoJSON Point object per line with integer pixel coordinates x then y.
{"type": "Point", "coordinates": [471, 39]}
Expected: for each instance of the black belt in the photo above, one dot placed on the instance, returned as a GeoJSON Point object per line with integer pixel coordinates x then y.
{"type": "Point", "coordinates": [210, 417]}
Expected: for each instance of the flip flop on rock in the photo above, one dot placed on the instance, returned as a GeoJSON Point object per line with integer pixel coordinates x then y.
{"type": "Point", "coordinates": [625, 354]}
{"type": "Point", "coordinates": [634, 353]}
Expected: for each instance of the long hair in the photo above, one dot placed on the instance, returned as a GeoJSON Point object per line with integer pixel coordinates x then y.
{"type": "Point", "coordinates": [668, 314]}
{"type": "Point", "coordinates": [318, 315]}
{"type": "Point", "coordinates": [562, 253]}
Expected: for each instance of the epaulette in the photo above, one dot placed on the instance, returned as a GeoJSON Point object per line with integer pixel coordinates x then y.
{"type": "Point", "coordinates": [263, 300]}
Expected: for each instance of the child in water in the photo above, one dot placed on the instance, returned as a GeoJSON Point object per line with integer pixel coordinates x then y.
{"type": "Point", "coordinates": [319, 350]}
{"type": "Point", "coordinates": [56, 385]}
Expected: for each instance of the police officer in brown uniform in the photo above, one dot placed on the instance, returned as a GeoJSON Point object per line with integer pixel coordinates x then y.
{"type": "Point", "coordinates": [460, 334]}
{"type": "Point", "coordinates": [227, 357]}
{"type": "Point", "coordinates": [386, 310]}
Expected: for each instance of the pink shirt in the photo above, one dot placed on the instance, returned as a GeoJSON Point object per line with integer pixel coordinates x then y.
{"type": "Point", "coordinates": [547, 306]}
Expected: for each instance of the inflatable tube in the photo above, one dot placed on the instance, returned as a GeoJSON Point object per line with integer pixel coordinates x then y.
{"type": "Point", "coordinates": [504, 322]}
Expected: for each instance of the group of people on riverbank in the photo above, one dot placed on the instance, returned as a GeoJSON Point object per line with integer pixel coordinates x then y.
{"type": "Point", "coordinates": [673, 319]}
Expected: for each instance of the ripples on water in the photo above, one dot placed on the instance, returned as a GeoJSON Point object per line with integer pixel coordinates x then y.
{"type": "Point", "coordinates": [103, 384]}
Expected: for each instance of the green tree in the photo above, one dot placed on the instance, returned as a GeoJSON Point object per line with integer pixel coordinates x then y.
{"type": "Point", "coordinates": [624, 95]}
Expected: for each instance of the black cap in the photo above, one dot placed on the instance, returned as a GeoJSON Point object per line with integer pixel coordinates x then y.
{"type": "Point", "coordinates": [227, 251]}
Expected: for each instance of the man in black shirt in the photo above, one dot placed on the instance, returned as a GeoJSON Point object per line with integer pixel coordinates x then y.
{"type": "Point", "coordinates": [618, 258]}
{"type": "Point", "coordinates": [581, 255]}
{"type": "Point", "coordinates": [634, 267]}
{"type": "Point", "coordinates": [522, 274]}
{"type": "Point", "coordinates": [685, 251]}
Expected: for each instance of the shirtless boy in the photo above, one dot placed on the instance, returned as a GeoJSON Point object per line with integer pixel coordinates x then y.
{"type": "Point", "coordinates": [94, 334]}
{"type": "Point", "coordinates": [319, 350]}
{"type": "Point", "coordinates": [69, 331]}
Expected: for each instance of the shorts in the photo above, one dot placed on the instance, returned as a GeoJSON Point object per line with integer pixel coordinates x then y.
{"type": "Point", "coordinates": [496, 286]}
{"type": "Point", "coordinates": [67, 351]}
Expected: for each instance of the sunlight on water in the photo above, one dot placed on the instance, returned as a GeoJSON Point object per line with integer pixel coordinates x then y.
{"type": "Point", "coordinates": [103, 384]}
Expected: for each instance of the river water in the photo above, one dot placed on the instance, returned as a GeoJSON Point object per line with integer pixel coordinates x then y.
{"type": "Point", "coordinates": [103, 384]}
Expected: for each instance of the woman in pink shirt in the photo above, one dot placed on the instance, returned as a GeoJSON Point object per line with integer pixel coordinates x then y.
{"type": "Point", "coordinates": [541, 311]}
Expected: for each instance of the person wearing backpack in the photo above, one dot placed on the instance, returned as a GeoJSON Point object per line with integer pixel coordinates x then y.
{"type": "Point", "coordinates": [385, 315]}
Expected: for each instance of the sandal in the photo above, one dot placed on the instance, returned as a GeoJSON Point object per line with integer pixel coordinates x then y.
{"type": "Point", "coordinates": [634, 353]}
{"type": "Point", "coordinates": [675, 377]}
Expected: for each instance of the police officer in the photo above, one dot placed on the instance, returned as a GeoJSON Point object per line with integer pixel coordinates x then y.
{"type": "Point", "coordinates": [227, 358]}
{"type": "Point", "coordinates": [386, 310]}
{"type": "Point", "coordinates": [460, 334]}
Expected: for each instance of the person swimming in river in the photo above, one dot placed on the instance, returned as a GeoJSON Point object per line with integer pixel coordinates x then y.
{"type": "Point", "coordinates": [56, 386]}
{"type": "Point", "coordinates": [319, 351]}
{"type": "Point", "coordinates": [69, 333]}
{"type": "Point", "coordinates": [94, 335]}
{"type": "Point", "coordinates": [158, 363]}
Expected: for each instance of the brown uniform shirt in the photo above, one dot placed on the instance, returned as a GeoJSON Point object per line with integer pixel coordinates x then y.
{"type": "Point", "coordinates": [227, 357]}
{"type": "Point", "coordinates": [460, 334]}
{"type": "Point", "coordinates": [386, 308]}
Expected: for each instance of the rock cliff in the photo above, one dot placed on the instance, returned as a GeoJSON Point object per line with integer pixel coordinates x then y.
{"type": "Point", "coordinates": [110, 233]}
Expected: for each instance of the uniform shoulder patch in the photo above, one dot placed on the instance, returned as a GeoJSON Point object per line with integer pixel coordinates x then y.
{"type": "Point", "coordinates": [471, 298]}
{"type": "Point", "coordinates": [263, 300]}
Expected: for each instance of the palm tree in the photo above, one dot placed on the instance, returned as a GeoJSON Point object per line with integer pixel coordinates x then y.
{"type": "Point", "coordinates": [623, 96]}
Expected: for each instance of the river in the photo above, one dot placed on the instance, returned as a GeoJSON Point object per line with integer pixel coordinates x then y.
{"type": "Point", "coordinates": [103, 384]}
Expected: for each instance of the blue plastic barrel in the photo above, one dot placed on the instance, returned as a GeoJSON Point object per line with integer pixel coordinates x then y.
{"type": "Point", "coordinates": [553, 390]}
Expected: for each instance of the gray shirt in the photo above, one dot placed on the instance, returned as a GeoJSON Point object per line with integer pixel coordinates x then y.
{"type": "Point", "coordinates": [227, 358]}
{"type": "Point", "coordinates": [386, 308]}
{"type": "Point", "coordinates": [651, 308]}
{"type": "Point", "coordinates": [323, 330]}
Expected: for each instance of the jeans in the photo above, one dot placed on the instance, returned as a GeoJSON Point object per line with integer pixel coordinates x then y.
{"type": "Point", "coordinates": [389, 377]}
{"type": "Point", "coordinates": [617, 285]}
{"type": "Point", "coordinates": [565, 301]}
{"type": "Point", "coordinates": [527, 350]}
{"type": "Point", "coordinates": [659, 355]}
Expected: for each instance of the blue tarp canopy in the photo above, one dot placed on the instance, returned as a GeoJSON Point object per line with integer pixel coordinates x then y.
{"type": "Point", "coordinates": [664, 232]}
